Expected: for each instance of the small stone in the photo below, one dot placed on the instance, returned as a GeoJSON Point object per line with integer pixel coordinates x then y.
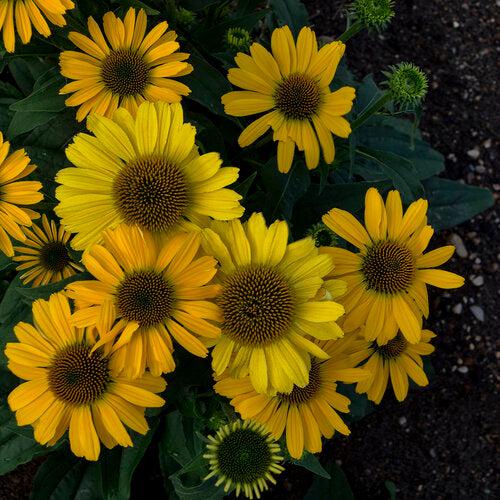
{"type": "Point", "coordinates": [478, 281]}
{"type": "Point", "coordinates": [480, 169]}
{"type": "Point", "coordinates": [459, 245]}
{"type": "Point", "coordinates": [477, 312]}
{"type": "Point", "coordinates": [432, 453]}
{"type": "Point", "coordinates": [402, 421]}
{"type": "Point", "coordinates": [456, 24]}
{"type": "Point", "coordinates": [463, 369]}
{"type": "Point", "coordinates": [473, 153]}
{"type": "Point", "coordinates": [457, 309]}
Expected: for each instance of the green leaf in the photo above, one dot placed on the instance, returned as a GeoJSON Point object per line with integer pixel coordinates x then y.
{"type": "Point", "coordinates": [337, 488]}
{"type": "Point", "coordinates": [173, 443]}
{"type": "Point", "coordinates": [311, 463]}
{"type": "Point", "coordinates": [17, 445]}
{"type": "Point", "coordinates": [451, 202]}
{"type": "Point", "coordinates": [360, 404]}
{"type": "Point", "coordinates": [207, 85]}
{"type": "Point", "coordinates": [140, 5]}
{"type": "Point", "coordinates": [5, 261]}
{"type": "Point", "coordinates": [292, 13]}
{"type": "Point", "coordinates": [63, 476]}
{"type": "Point", "coordinates": [391, 488]}
{"type": "Point", "coordinates": [243, 187]}
{"type": "Point", "coordinates": [26, 72]}
{"type": "Point", "coordinates": [44, 292]}
{"type": "Point", "coordinates": [11, 305]}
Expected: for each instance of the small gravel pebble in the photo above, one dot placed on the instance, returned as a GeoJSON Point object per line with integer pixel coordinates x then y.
{"type": "Point", "coordinates": [477, 281]}
{"type": "Point", "coordinates": [463, 369]}
{"type": "Point", "coordinates": [457, 309]}
{"type": "Point", "coordinates": [459, 245]}
{"type": "Point", "coordinates": [473, 153]}
{"type": "Point", "coordinates": [477, 312]}
{"type": "Point", "coordinates": [402, 421]}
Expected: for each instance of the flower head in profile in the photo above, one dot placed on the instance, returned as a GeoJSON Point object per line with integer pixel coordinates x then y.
{"type": "Point", "coordinates": [244, 456]}
{"type": "Point", "coordinates": [306, 413]}
{"type": "Point", "coordinates": [24, 15]}
{"type": "Point", "coordinates": [268, 303]}
{"type": "Point", "coordinates": [124, 67]}
{"type": "Point", "coordinates": [45, 256]}
{"type": "Point", "coordinates": [291, 86]}
{"type": "Point", "coordinates": [15, 194]}
{"type": "Point", "coordinates": [396, 361]}
{"type": "Point", "coordinates": [152, 291]}
{"type": "Point", "coordinates": [145, 171]}
{"type": "Point", "coordinates": [388, 275]}
{"type": "Point", "coordinates": [72, 387]}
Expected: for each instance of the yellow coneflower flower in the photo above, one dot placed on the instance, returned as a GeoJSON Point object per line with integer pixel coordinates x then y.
{"type": "Point", "coordinates": [70, 386]}
{"type": "Point", "coordinates": [306, 413]}
{"type": "Point", "coordinates": [156, 290]}
{"type": "Point", "coordinates": [387, 278]}
{"type": "Point", "coordinates": [15, 193]}
{"type": "Point", "coordinates": [26, 14]}
{"type": "Point", "coordinates": [243, 456]}
{"type": "Point", "coordinates": [144, 170]}
{"type": "Point", "coordinates": [395, 361]}
{"type": "Point", "coordinates": [292, 87]}
{"type": "Point", "coordinates": [268, 303]}
{"type": "Point", "coordinates": [45, 257]}
{"type": "Point", "coordinates": [125, 68]}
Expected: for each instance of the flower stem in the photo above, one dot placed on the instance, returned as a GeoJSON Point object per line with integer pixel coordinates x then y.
{"type": "Point", "coordinates": [355, 28]}
{"type": "Point", "coordinates": [371, 110]}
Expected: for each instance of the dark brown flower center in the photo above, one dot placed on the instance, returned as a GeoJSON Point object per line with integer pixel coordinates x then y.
{"type": "Point", "coordinates": [393, 348]}
{"type": "Point", "coordinates": [388, 267]}
{"type": "Point", "coordinates": [54, 256]}
{"type": "Point", "coordinates": [78, 377]}
{"type": "Point", "coordinates": [152, 193]}
{"type": "Point", "coordinates": [300, 395]}
{"type": "Point", "coordinates": [297, 97]}
{"type": "Point", "coordinates": [257, 304]}
{"type": "Point", "coordinates": [145, 297]}
{"type": "Point", "coordinates": [125, 73]}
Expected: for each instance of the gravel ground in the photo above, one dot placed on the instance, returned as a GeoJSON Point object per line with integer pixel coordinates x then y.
{"type": "Point", "coordinates": [441, 442]}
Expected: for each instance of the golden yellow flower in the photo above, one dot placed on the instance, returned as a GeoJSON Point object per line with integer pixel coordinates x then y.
{"type": "Point", "coordinates": [155, 290]}
{"type": "Point", "coordinates": [268, 303]}
{"type": "Point", "coordinates": [306, 413]}
{"type": "Point", "coordinates": [387, 278]}
{"type": "Point", "coordinates": [15, 193]}
{"type": "Point", "coordinates": [292, 87]}
{"type": "Point", "coordinates": [45, 258]}
{"type": "Point", "coordinates": [71, 386]}
{"type": "Point", "coordinates": [144, 170]}
{"type": "Point", "coordinates": [125, 68]}
{"type": "Point", "coordinates": [395, 361]}
{"type": "Point", "coordinates": [29, 14]}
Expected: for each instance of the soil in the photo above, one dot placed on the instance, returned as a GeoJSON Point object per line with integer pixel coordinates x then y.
{"type": "Point", "coordinates": [441, 442]}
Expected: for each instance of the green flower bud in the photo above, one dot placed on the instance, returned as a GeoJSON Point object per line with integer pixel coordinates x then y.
{"type": "Point", "coordinates": [238, 39]}
{"type": "Point", "coordinates": [322, 235]}
{"type": "Point", "coordinates": [407, 84]}
{"type": "Point", "coordinates": [375, 14]}
{"type": "Point", "coordinates": [184, 17]}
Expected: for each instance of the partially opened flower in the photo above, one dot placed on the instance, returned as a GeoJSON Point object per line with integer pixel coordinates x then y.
{"type": "Point", "coordinates": [292, 87]}
{"type": "Point", "coordinates": [145, 171]}
{"type": "Point", "coordinates": [244, 456]}
{"type": "Point", "coordinates": [153, 290]}
{"type": "Point", "coordinates": [387, 277]}
{"type": "Point", "coordinates": [395, 361]}
{"type": "Point", "coordinates": [307, 413]}
{"type": "Point", "coordinates": [268, 303]}
{"type": "Point", "coordinates": [45, 256]}
{"type": "Point", "coordinates": [14, 194]}
{"type": "Point", "coordinates": [123, 68]}
{"type": "Point", "coordinates": [71, 386]}
{"type": "Point", "coordinates": [24, 15]}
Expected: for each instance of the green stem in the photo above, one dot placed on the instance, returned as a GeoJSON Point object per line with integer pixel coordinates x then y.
{"type": "Point", "coordinates": [371, 110]}
{"type": "Point", "coordinates": [355, 28]}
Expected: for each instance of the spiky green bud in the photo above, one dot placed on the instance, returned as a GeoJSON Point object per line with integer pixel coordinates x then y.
{"type": "Point", "coordinates": [407, 84]}
{"type": "Point", "coordinates": [184, 17]}
{"type": "Point", "coordinates": [374, 14]}
{"type": "Point", "coordinates": [238, 39]}
{"type": "Point", "coordinates": [322, 235]}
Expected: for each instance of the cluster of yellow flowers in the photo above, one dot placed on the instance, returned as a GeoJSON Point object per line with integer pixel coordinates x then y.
{"type": "Point", "coordinates": [172, 263]}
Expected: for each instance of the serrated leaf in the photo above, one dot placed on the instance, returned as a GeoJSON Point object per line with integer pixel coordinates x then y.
{"type": "Point", "coordinates": [311, 463]}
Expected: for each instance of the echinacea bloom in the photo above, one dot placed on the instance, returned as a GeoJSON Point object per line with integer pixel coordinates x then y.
{"type": "Point", "coordinates": [14, 194]}
{"type": "Point", "coordinates": [24, 15]}
{"type": "Point", "coordinates": [306, 413]}
{"type": "Point", "coordinates": [45, 256]}
{"type": "Point", "coordinates": [145, 171]}
{"type": "Point", "coordinates": [395, 361]}
{"type": "Point", "coordinates": [292, 87]}
{"type": "Point", "coordinates": [268, 303]}
{"type": "Point", "coordinates": [387, 278]}
{"type": "Point", "coordinates": [153, 290]}
{"type": "Point", "coordinates": [124, 68]}
{"type": "Point", "coordinates": [70, 386]}
{"type": "Point", "coordinates": [244, 456]}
